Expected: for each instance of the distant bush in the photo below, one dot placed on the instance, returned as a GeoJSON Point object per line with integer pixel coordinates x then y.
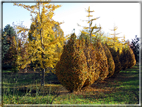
{"type": "Point", "coordinates": [115, 56]}
{"type": "Point", "coordinates": [124, 59]}
{"type": "Point", "coordinates": [135, 46]}
{"type": "Point", "coordinates": [127, 58]}
{"type": "Point", "coordinates": [132, 60]}
{"type": "Point", "coordinates": [111, 64]}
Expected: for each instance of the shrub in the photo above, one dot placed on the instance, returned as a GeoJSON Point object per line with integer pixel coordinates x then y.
{"type": "Point", "coordinates": [111, 64]}
{"type": "Point", "coordinates": [115, 56]}
{"type": "Point", "coordinates": [92, 65]}
{"type": "Point", "coordinates": [127, 58]}
{"type": "Point", "coordinates": [135, 46]}
{"type": "Point", "coordinates": [132, 60]}
{"type": "Point", "coordinates": [124, 60]}
{"type": "Point", "coordinates": [72, 70]}
{"type": "Point", "coordinates": [102, 60]}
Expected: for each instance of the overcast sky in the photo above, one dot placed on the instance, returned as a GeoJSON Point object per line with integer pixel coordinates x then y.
{"type": "Point", "coordinates": [126, 16]}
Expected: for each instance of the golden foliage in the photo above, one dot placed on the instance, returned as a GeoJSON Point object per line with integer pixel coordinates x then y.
{"type": "Point", "coordinates": [77, 67]}
{"type": "Point", "coordinates": [124, 58]}
{"type": "Point", "coordinates": [91, 28]}
{"type": "Point", "coordinates": [102, 60]}
{"type": "Point", "coordinates": [132, 60]}
{"type": "Point", "coordinates": [127, 57]}
{"type": "Point", "coordinates": [71, 70]}
{"type": "Point", "coordinates": [111, 64]}
{"type": "Point", "coordinates": [43, 47]}
{"type": "Point", "coordinates": [115, 55]}
{"type": "Point", "coordinates": [92, 65]}
{"type": "Point", "coordinates": [114, 42]}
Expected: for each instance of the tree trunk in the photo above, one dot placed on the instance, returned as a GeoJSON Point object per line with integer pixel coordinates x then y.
{"type": "Point", "coordinates": [42, 77]}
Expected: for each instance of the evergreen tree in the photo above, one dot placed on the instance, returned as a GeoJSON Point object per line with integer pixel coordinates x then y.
{"type": "Point", "coordinates": [11, 56]}
{"type": "Point", "coordinates": [71, 70]}
{"type": "Point", "coordinates": [7, 42]}
{"type": "Point", "coordinates": [134, 45]}
{"type": "Point", "coordinates": [91, 28]}
{"type": "Point", "coordinates": [7, 35]}
{"type": "Point", "coordinates": [114, 42]}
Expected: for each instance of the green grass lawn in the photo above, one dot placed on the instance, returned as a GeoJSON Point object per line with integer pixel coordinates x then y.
{"type": "Point", "coordinates": [124, 89]}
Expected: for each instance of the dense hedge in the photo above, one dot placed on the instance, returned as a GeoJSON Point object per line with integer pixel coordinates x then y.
{"type": "Point", "coordinates": [111, 64]}
{"type": "Point", "coordinates": [132, 60]}
{"type": "Point", "coordinates": [92, 65]}
{"type": "Point", "coordinates": [83, 63]}
{"type": "Point", "coordinates": [102, 60]}
{"type": "Point", "coordinates": [78, 66]}
{"type": "Point", "coordinates": [115, 56]}
{"type": "Point", "coordinates": [72, 70]}
{"type": "Point", "coordinates": [124, 59]}
{"type": "Point", "coordinates": [127, 58]}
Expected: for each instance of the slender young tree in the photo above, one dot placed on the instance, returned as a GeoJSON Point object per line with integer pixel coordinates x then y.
{"type": "Point", "coordinates": [42, 48]}
{"type": "Point", "coordinates": [91, 28]}
{"type": "Point", "coordinates": [116, 47]}
{"type": "Point", "coordinates": [114, 42]}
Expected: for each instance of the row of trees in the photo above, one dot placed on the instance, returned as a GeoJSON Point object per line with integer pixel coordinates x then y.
{"type": "Point", "coordinates": [82, 63]}
{"type": "Point", "coordinates": [90, 59]}
{"type": "Point", "coordinates": [45, 42]}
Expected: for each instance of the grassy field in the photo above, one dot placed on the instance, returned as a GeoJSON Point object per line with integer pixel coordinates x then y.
{"type": "Point", "coordinates": [26, 89]}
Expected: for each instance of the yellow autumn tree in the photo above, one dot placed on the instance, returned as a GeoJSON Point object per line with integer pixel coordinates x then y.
{"type": "Point", "coordinates": [91, 28]}
{"type": "Point", "coordinates": [116, 47]}
{"type": "Point", "coordinates": [43, 47]}
{"type": "Point", "coordinates": [114, 42]}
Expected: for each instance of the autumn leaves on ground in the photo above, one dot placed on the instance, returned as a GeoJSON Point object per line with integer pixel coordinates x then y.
{"type": "Point", "coordinates": [89, 69]}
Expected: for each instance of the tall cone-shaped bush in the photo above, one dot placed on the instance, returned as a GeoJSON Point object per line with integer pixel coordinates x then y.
{"type": "Point", "coordinates": [116, 61]}
{"type": "Point", "coordinates": [111, 64]}
{"type": "Point", "coordinates": [93, 66]}
{"type": "Point", "coordinates": [72, 70]}
{"type": "Point", "coordinates": [127, 58]}
{"type": "Point", "coordinates": [132, 60]}
{"type": "Point", "coordinates": [124, 59]}
{"type": "Point", "coordinates": [102, 60]}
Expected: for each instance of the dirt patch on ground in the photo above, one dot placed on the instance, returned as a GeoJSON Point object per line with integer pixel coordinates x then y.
{"type": "Point", "coordinates": [100, 87]}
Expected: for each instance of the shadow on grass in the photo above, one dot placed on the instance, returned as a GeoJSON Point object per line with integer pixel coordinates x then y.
{"type": "Point", "coordinates": [20, 79]}
{"type": "Point", "coordinates": [124, 89]}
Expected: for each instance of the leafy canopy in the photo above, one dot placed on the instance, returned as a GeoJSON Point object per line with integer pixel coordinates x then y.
{"type": "Point", "coordinates": [42, 48]}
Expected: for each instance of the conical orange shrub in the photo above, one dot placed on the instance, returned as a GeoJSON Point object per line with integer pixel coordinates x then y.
{"type": "Point", "coordinates": [132, 60]}
{"type": "Point", "coordinates": [127, 58]}
{"type": "Point", "coordinates": [124, 59]}
{"type": "Point", "coordinates": [92, 65]}
{"type": "Point", "coordinates": [102, 60]}
{"type": "Point", "coordinates": [72, 70]}
{"type": "Point", "coordinates": [115, 56]}
{"type": "Point", "coordinates": [111, 64]}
